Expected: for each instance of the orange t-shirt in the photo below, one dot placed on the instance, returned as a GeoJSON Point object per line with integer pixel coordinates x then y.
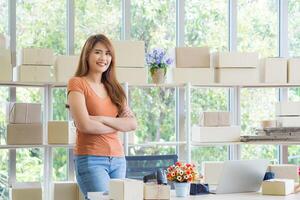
{"type": "Point", "coordinates": [95, 144]}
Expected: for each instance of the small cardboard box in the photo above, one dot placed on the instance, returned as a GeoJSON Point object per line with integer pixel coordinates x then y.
{"type": "Point", "coordinates": [288, 121]}
{"type": "Point", "coordinates": [5, 65]}
{"type": "Point", "coordinates": [294, 70]}
{"type": "Point", "coordinates": [129, 53]}
{"type": "Point", "coordinates": [61, 132]}
{"type": "Point", "coordinates": [26, 193]}
{"type": "Point", "coordinates": [65, 67]}
{"type": "Point", "coordinates": [2, 42]}
{"type": "Point", "coordinates": [155, 191]}
{"type": "Point", "coordinates": [36, 56]}
{"type": "Point", "coordinates": [193, 57]}
{"type": "Point", "coordinates": [285, 171]}
{"type": "Point", "coordinates": [273, 70]}
{"type": "Point", "coordinates": [66, 191]}
{"type": "Point", "coordinates": [193, 75]}
{"type": "Point", "coordinates": [126, 189]}
{"type": "Point", "coordinates": [35, 73]}
{"type": "Point", "coordinates": [212, 171]}
{"type": "Point", "coordinates": [237, 75]}
{"type": "Point", "coordinates": [24, 113]}
{"type": "Point", "coordinates": [235, 60]}
{"type": "Point", "coordinates": [215, 119]}
{"type": "Point", "coordinates": [278, 187]}
{"type": "Point", "coordinates": [287, 108]}
{"type": "Point", "coordinates": [216, 134]}
{"type": "Point", "coordinates": [132, 75]}
{"type": "Point", "coordinates": [19, 134]}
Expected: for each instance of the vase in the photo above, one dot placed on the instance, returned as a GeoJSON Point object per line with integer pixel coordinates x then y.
{"type": "Point", "coordinates": [182, 189]}
{"type": "Point", "coordinates": [158, 75]}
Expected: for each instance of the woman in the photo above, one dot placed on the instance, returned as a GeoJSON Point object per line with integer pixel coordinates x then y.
{"type": "Point", "coordinates": [98, 106]}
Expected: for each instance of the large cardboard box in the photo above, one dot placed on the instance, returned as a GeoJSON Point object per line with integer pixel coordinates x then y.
{"type": "Point", "coordinates": [288, 121]}
{"type": "Point", "coordinates": [5, 65]}
{"type": "Point", "coordinates": [132, 75]}
{"type": "Point", "coordinates": [66, 191]}
{"type": "Point", "coordinates": [26, 193]}
{"type": "Point", "coordinates": [61, 132]}
{"type": "Point", "coordinates": [193, 75]}
{"type": "Point", "coordinates": [65, 67]}
{"type": "Point", "coordinates": [273, 70]}
{"type": "Point", "coordinates": [24, 113]}
{"type": "Point", "coordinates": [237, 75]}
{"type": "Point", "coordinates": [19, 134]}
{"type": "Point", "coordinates": [193, 57]}
{"type": "Point", "coordinates": [216, 134]}
{"type": "Point", "coordinates": [212, 171]}
{"type": "Point", "coordinates": [129, 53]}
{"type": "Point", "coordinates": [35, 73]}
{"type": "Point", "coordinates": [126, 189]}
{"type": "Point", "coordinates": [215, 119]}
{"type": "Point", "coordinates": [2, 42]}
{"type": "Point", "coordinates": [287, 108]}
{"type": "Point", "coordinates": [155, 191]}
{"type": "Point", "coordinates": [294, 70]}
{"type": "Point", "coordinates": [285, 171]}
{"type": "Point", "coordinates": [235, 60]}
{"type": "Point", "coordinates": [36, 56]}
{"type": "Point", "coordinates": [278, 187]}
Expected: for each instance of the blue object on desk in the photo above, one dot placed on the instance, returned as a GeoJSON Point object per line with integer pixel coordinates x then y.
{"type": "Point", "coordinates": [198, 188]}
{"type": "Point", "coordinates": [269, 175]}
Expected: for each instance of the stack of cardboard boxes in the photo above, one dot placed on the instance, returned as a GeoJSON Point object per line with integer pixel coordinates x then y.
{"type": "Point", "coordinates": [5, 61]}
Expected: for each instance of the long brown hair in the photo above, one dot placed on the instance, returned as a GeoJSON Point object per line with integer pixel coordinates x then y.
{"type": "Point", "coordinates": [109, 80]}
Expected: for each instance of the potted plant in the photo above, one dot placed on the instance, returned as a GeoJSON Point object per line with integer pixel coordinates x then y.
{"type": "Point", "coordinates": [158, 62]}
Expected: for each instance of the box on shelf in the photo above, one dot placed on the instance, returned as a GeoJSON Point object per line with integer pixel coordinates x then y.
{"type": "Point", "coordinates": [193, 75]}
{"type": "Point", "coordinates": [294, 70]}
{"type": "Point", "coordinates": [36, 56]}
{"type": "Point", "coordinates": [126, 189]}
{"type": "Point", "coordinates": [285, 171]}
{"type": "Point", "coordinates": [235, 60]}
{"type": "Point", "coordinates": [2, 42]}
{"type": "Point", "coordinates": [61, 132]}
{"type": "Point", "coordinates": [23, 113]}
{"type": "Point", "coordinates": [5, 65]}
{"type": "Point", "coordinates": [19, 134]}
{"type": "Point", "coordinates": [66, 191]}
{"type": "Point", "coordinates": [31, 193]}
{"type": "Point", "coordinates": [288, 121]}
{"type": "Point", "coordinates": [237, 75]}
{"type": "Point", "coordinates": [35, 73]}
{"type": "Point", "coordinates": [215, 119]}
{"type": "Point", "coordinates": [155, 191]}
{"type": "Point", "coordinates": [129, 53]}
{"type": "Point", "coordinates": [193, 57]}
{"type": "Point", "coordinates": [278, 187]}
{"type": "Point", "coordinates": [212, 171]}
{"type": "Point", "coordinates": [287, 108]}
{"type": "Point", "coordinates": [273, 70]}
{"type": "Point", "coordinates": [216, 134]}
{"type": "Point", "coordinates": [65, 67]}
{"type": "Point", "coordinates": [132, 75]}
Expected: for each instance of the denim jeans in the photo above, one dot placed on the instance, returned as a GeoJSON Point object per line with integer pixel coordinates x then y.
{"type": "Point", "coordinates": [94, 172]}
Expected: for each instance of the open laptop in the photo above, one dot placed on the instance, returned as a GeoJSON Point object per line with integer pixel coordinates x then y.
{"type": "Point", "coordinates": [240, 176]}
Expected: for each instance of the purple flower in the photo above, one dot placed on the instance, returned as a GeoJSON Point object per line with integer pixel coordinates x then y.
{"type": "Point", "coordinates": [158, 58]}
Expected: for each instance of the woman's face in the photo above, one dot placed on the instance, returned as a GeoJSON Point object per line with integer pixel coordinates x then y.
{"type": "Point", "coordinates": [99, 58]}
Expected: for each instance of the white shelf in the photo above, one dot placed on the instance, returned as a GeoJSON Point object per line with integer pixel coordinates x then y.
{"type": "Point", "coordinates": [263, 142]}
{"type": "Point", "coordinates": [35, 146]}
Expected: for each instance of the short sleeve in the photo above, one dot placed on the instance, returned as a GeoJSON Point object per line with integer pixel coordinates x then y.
{"type": "Point", "coordinates": [75, 84]}
{"type": "Point", "coordinates": [127, 112]}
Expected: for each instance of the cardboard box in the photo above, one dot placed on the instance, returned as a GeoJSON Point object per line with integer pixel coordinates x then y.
{"type": "Point", "coordinates": [212, 171]}
{"type": "Point", "coordinates": [132, 75]}
{"type": "Point", "coordinates": [216, 134]}
{"type": "Point", "coordinates": [24, 113]}
{"type": "Point", "coordinates": [193, 57]}
{"type": "Point", "coordinates": [129, 53]}
{"type": "Point", "coordinates": [287, 108]}
{"type": "Point", "coordinates": [66, 191]}
{"type": "Point", "coordinates": [19, 134]}
{"type": "Point", "coordinates": [155, 191]}
{"type": "Point", "coordinates": [237, 75]}
{"type": "Point", "coordinates": [34, 73]}
{"type": "Point", "coordinates": [273, 70]}
{"type": "Point", "coordinates": [215, 119]}
{"type": "Point", "coordinates": [285, 171]}
{"type": "Point", "coordinates": [26, 193]}
{"type": "Point", "coordinates": [288, 121]}
{"type": "Point", "coordinates": [5, 65]}
{"type": "Point", "coordinates": [126, 189]}
{"type": "Point", "coordinates": [2, 42]}
{"type": "Point", "coordinates": [65, 67]}
{"type": "Point", "coordinates": [36, 56]}
{"type": "Point", "coordinates": [193, 75]}
{"type": "Point", "coordinates": [61, 132]}
{"type": "Point", "coordinates": [294, 70]}
{"type": "Point", "coordinates": [235, 60]}
{"type": "Point", "coordinates": [278, 187]}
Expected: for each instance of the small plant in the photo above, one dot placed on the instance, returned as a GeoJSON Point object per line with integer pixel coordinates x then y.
{"type": "Point", "coordinates": [182, 172]}
{"type": "Point", "coordinates": [158, 59]}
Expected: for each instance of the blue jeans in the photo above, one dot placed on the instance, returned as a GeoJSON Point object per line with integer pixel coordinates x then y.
{"type": "Point", "coordinates": [94, 172]}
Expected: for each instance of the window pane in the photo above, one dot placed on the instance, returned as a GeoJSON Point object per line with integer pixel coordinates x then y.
{"type": "Point", "coordinates": [209, 26]}
{"type": "Point", "coordinates": [154, 109]}
{"type": "Point", "coordinates": [254, 151]}
{"type": "Point", "coordinates": [97, 16]}
{"type": "Point", "coordinates": [3, 174]}
{"type": "Point", "coordinates": [30, 95]}
{"type": "Point", "coordinates": [257, 25]}
{"type": "Point", "coordinates": [294, 154]}
{"type": "Point", "coordinates": [29, 165]}
{"type": "Point", "coordinates": [60, 159]}
{"type": "Point", "coordinates": [294, 94]}
{"type": "Point", "coordinates": [154, 22]}
{"type": "Point", "coordinates": [293, 27]}
{"type": "Point", "coordinates": [59, 101]}
{"type": "Point", "coordinates": [4, 97]}
{"type": "Point", "coordinates": [42, 23]}
{"type": "Point", "coordinates": [152, 150]}
{"type": "Point", "coordinates": [3, 17]}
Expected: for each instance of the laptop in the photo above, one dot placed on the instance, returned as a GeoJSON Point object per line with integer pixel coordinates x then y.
{"type": "Point", "coordinates": [240, 176]}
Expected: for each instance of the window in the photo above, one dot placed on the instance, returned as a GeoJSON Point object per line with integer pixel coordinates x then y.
{"type": "Point", "coordinates": [294, 154]}
{"type": "Point", "coordinates": [294, 94]}
{"type": "Point", "coordinates": [255, 151]}
{"type": "Point", "coordinates": [3, 17]}
{"type": "Point", "coordinates": [4, 97]}
{"type": "Point", "coordinates": [293, 27]}
{"type": "Point", "coordinates": [151, 150]}
{"type": "Point", "coordinates": [3, 174]}
{"type": "Point", "coordinates": [96, 16]}
{"type": "Point", "coordinates": [60, 159]}
{"type": "Point", "coordinates": [257, 25]}
{"type": "Point", "coordinates": [207, 27]}
{"type": "Point", "coordinates": [59, 101]}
